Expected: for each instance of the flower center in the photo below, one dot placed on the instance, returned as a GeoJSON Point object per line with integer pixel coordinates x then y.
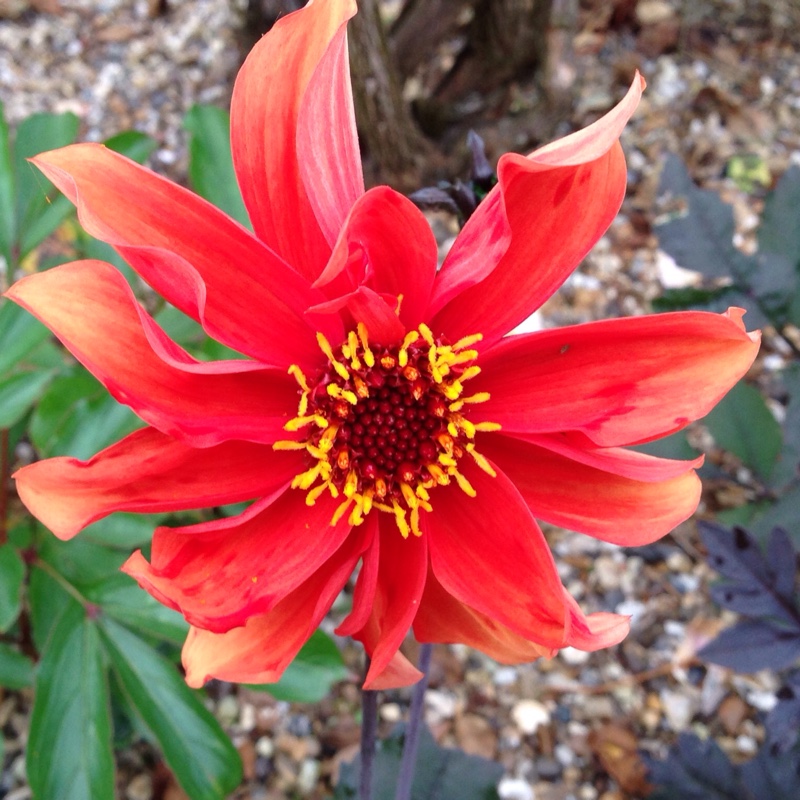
{"type": "Point", "coordinates": [384, 426]}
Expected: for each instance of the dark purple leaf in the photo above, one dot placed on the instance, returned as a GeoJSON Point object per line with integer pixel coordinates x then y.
{"type": "Point", "coordinates": [752, 645]}
{"type": "Point", "coordinates": [734, 554]}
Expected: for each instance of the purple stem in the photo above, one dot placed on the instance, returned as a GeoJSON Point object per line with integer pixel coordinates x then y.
{"type": "Point", "coordinates": [369, 727]}
{"type": "Point", "coordinates": [411, 743]}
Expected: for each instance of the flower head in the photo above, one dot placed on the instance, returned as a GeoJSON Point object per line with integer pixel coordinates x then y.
{"type": "Point", "coordinates": [382, 417]}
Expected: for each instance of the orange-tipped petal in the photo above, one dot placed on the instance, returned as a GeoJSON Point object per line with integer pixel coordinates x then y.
{"type": "Point", "coordinates": [147, 472]}
{"type": "Point", "coordinates": [91, 308]}
{"type": "Point", "coordinates": [618, 382]}
{"type": "Point", "coordinates": [442, 618]}
{"type": "Point", "coordinates": [488, 552]}
{"type": "Point", "coordinates": [293, 135]}
{"type": "Point", "coordinates": [595, 631]}
{"type": "Point", "coordinates": [533, 228]}
{"type": "Point", "coordinates": [219, 574]}
{"type": "Point", "coordinates": [196, 257]}
{"type": "Point", "coordinates": [402, 569]}
{"type": "Point", "coordinates": [261, 650]}
{"type": "Point", "coordinates": [610, 507]}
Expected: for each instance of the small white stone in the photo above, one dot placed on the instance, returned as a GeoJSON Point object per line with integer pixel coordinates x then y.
{"type": "Point", "coordinates": [265, 747]}
{"type": "Point", "coordinates": [679, 709]}
{"type": "Point", "coordinates": [390, 712]}
{"type": "Point", "coordinates": [746, 744]}
{"type": "Point", "coordinates": [572, 656]}
{"type": "Point", "coordinates": [515, 789]}
{"type": "Point", "coordinates": [308, 776]}
{"type": "Point", "coordinates": [529, 715]}
{"type": "Point", "coordinates": [247, 717]}
{"type": "Point", "coordinates": [505, 676]}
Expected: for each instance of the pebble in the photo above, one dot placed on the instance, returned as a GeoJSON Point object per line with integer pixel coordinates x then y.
{"type": "Point", "coordinates": [505, 676]}
{"type": "Point", "coordinates": [679, 708]}
{"type": "Point", "coordinates": [515, 789]}
{"type": "Point", "coordinates": [227, 711]}
{"type": "Point", "coordinates": [140, 788]}
{"type": "Point", "coordinates": [529, 715]}
{"type": "Point", "coordinates": [265, 747]}
{"type": "Point", "coordinates": [308, 776]}
{"type": "Point", "coordinates": [390, 712]}
{"type": "Point", "coordinates": [651, 12]}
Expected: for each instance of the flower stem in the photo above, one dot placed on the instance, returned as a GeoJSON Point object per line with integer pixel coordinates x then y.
{"type": "Point", "coordinates": [411, 743]}
{"type": "Point", "coordinates": [369, 727]}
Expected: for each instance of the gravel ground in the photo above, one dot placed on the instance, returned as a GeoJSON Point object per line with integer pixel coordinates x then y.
{"type": "Point", "coordinates": [724, 80]}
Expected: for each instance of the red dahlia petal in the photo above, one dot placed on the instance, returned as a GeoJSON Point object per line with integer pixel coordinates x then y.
{"type": "Point", "coordinates": [402, 569]}
{"type": "Point", "coordinates": [442, 618]}
{"type": "Point", "coordinates": [196, 257]}
{"type": "Point", "coordinates": [293, 134]}
{"type": "Point", "coordinates": [619, 381]}
{"type": "Point", "coordinates": [488, 552]}
{"type": "Point", "coordinates": [261, 650]}
{"type": "Point", "coordinates": [388, 246]}
{"type": "Point", "coordinates": [90, 307]}
{"type": "Point", "coordinates": [219, 574]}
{"type": "Point", "coordinates": [582, 498]}
{"type": "Point", "coordinates": [533, 228]}
{"type": "Point", "coordinates": [147, 472]}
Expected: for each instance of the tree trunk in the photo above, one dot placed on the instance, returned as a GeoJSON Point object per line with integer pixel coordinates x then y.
{"type": "Point", "coordinates": [506, 39]}
{"type": "Point", "coordinates": [390, 134]}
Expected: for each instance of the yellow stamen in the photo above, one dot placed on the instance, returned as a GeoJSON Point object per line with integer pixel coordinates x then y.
{"type": "Point", "coordinates": [402, 355]}
{"type": "Point", "coordinates": [478, 397]}
{"type": "Point", "coordinates": [341, 511]}
{"type": "Point", "coordinates": [400, 519]}
{"type": "Point", "coordinates": [468, 341]}
{"type": "Point", "coordinates": [470, 372]}
{"type": "Point", "coordinates": [362, 390]}
{"type": "Point", "coordinates": [325, 346]}
{"type": "Point", "coordinates": [313, 494]}
{"type": "Point", "coordinates": [426, 333]}
{"type": "Point", "coordinates": [350, 484]}
{"type": "Point", "coordinates": [481, 460]}
{"type": "Point", "coordinates": [300, 422]}
{"type": "Point", "coordinates": [415, 522]}
{"type": "Point", "coordinates": [408, 495]}
{"type": "Point", "coordinates": [284, 444]}
{"type": "Point", "coordinates": [352, 341]}
{"type": "Point", "coordinates": [463, 484]}
{"type": "Point", "coordinates": [298, 375]}
{"type": "Point", "coordinates": [487, 426]}
{"type": "Point", "coordinates": [369, 358]}
{"type": "Point", "coordinates": [438, 474]}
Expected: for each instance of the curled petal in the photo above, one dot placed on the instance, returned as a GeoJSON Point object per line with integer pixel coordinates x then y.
{"type": "Point", "coordinates": [261, 650]}
{"type": "Point", "coordinates": [91, 308]}
{"type": "Point", "coordinates": [488, 552]}
{"type": "Point", "coordinates": [376, 312]}
{"type": "Point", "coordinates": [610, 507]}
{"type": "Point", "coordinates": [618, 382]}
{"type": "Point", "coordinates": [545, 214]}
{"type": "Point", "coordinates": [147, 472]}
{"type": "Point", "coordinates": [196, 257]}
{"type": "Point", "coordinates": [401, 578]}
{"type": "Point", "coordinates": [294, 80]}
{"type": "Point", "coordinates": [366, 583]}
{"type": "Point", "coordinates": [596, 631]}
{"type": "Point", "coordinates": [219, 574]}
{"type": "Point", "coordinates": [388, 246]}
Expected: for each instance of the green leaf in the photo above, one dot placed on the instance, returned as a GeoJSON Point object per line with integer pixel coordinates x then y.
{"type": "Point", "coordinates": [133, 144]}
{"type": "Point", "coordinates": [69, 747]}
{"type": "Point", "coordinates": [20, 334]}
{"type": "Point", "coordinates": [441, 773]}
{"type": "Point", "coordinates": [310, 676]}
{"type": "Point", "coordinates": [12, 575]}
{"type": "Point", "coordinates": [690, 297]}
{"type": "Point", "coordinates": [40, 210]}
{"type": "Point", "coordinates": [77, 417]}
{"type": "Point", "coordinates": [780, 223]}
{"type": "Point", "coordinates": [781, 514]}
{"type": "Point", "coordinates": [16, 670]}
{"type": "Point", "coordinates": [674, 446]}
{"type": "Point", "coordinates": [210, 164]}
{"type": "Point", "coordinates": [7, 210]}
{"type": "Point", "coordinates": [743, 424]}
{"type": "Point", "coordinates": [49, 601]}
{"type": "Point", "coordinates": [121, 598]}
{"type": "Point", "coordinates": [79, 561]}
{"type": "Point", "coordinates": [18, 393]}
{"type": "Point", "coordinates": [196, 749]}
{"type": "Point", "coordinates": [749, 172]}
{"type": "Point", "coordinates": [123, 531]}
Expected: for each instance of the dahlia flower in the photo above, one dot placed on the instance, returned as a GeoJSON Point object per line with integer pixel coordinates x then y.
{"type": "Point", "coordinates": [382, 420]}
